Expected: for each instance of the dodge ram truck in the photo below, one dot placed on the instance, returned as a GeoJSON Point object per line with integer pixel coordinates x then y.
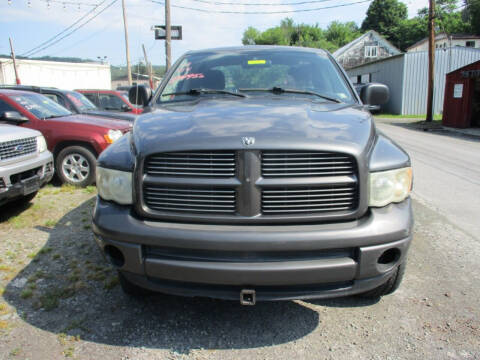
{"type": "Point", "coordinates": [256, 173]}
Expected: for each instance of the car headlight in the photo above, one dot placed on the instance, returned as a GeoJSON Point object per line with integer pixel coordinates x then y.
{"type": "Point", "coordinates": [389, 186]}
{"type": "Point", "coordinates": [114, 185]}
{"type": "Point", "coordinates": [41, 144]}
{"type": "Point", "coordinates": [112, 136]}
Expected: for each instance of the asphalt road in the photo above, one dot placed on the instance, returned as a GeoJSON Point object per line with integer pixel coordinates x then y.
{"type": "Point", "coordinates": [435, 314]}
{"type": "Point", "coordinates": [446, 172]}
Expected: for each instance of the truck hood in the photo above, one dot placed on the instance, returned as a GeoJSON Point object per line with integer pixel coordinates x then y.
{"type": "Point", "coordinates": [96, 121]}
{"type": "Point", "coordinates": [112, 115]}
{"type": "Point", "coordinates": [12, 132]}
{"type": "Point", "coordinates": [275, 123]}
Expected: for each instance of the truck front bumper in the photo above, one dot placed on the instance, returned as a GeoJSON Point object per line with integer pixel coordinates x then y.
{"type": "Point", "coordinates": [276, 262]}
{"type": "Point", "coordinates": [16, 179]}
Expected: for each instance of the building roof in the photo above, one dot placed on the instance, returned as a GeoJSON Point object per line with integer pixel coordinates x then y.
{"type": "Point", "coordinates": [443, 36]}
{"type": "Point", "coordinates": [351, 44]}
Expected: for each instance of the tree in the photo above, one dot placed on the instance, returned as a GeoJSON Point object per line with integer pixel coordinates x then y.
{"type": "Point", "coordinates": [384, 16]}
{"type": "Point", "coordinates": [250, 35]}
{"type": "Point", "coordinates": [472, 14]}
{"type": "Point", "coordinates": [341, 34]}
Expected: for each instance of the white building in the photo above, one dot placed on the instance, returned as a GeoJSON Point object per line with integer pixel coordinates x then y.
{"type": "Point", "coordinates": [62, 75]}
{"type": "Point", "coordinates": [443, 41]}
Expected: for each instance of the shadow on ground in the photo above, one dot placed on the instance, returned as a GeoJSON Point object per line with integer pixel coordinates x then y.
{"type": "Point", "coordinates": [76, 292]}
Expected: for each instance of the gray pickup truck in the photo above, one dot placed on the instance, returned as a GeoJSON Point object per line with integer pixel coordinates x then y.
{"type": "Point", "coordinates": [256, 173]}
{"type": "Point", "coordinates": [25, 163]}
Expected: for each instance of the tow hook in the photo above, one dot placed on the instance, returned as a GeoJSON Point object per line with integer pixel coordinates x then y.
{"type": "Point", "coordinates": [247, 297]}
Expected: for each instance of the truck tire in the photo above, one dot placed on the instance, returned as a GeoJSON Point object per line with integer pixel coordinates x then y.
{"type": "Point", "coordinates": [389, 286]}
{"type": "Point", "coordinates": [75, 165]}
{"type": "Point", "coordinates": [130, 288]}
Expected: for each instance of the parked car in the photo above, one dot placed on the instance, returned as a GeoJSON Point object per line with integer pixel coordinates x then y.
{"type": "Point", "coordinates": [255, 173]}
{"type": "Point", "coordinates": [25, 163]}
{"type": "Point", "coordinates": [111, 100]}
{"type": "Point", "coordinates": [74, 101]}
{"type": "Point", "coordinates": [74, 139]}
{"type": "Point", "coordinates": [372, 108]}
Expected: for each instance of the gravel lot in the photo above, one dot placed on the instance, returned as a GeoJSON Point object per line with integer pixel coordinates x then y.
{"type": "Point", "coordinates": [60, 299]}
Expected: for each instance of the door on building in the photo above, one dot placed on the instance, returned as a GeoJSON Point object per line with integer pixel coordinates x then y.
{"type": "Point", "coordinates": [475, 117]}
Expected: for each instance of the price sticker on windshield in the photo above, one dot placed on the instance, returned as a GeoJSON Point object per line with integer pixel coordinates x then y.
{"type": "Point", "coordinates": [257, 62]}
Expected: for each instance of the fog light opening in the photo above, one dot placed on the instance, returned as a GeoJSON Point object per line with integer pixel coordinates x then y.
{"type": "Point", "coordinates": [389, 257]}
{"type": "Point", "coordinates": [114, 255]}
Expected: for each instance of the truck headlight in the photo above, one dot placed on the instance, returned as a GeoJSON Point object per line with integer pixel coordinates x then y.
{"type": "Point", "coordinates": [41, 144]}
{"type": "Point", "coordinates": [112, 136]}
{"type": "Point", "coordinates": [389, 186]}
{"type": "Point", "coordinates": [114, 185]}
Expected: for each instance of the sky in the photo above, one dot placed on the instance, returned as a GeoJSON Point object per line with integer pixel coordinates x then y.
{"type": "Point", "coordinates": [32, 22]}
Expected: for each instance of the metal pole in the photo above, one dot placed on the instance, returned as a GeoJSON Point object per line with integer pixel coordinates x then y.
{"type": "Point", "coordinates": [149, 67]}
{"type": "Point", "coordinates": [17, 79]}
{"type": "Point", "coordinates": [168, 36]}
{"type": "Point", "coordinates": [431, 60]}
{"type": "Point", "coordinates": [129, 68]}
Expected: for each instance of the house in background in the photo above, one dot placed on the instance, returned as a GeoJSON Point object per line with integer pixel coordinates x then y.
{"type": "Point", "coordinates": [369, 47]}
{"type": "Point", "coordinates": [443, 41]}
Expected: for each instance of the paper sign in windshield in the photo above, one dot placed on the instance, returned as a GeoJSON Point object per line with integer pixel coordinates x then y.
{"type": "Point", "coordinates": [257, 62]}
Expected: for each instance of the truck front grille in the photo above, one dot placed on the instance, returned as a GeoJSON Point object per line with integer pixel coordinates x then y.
{"type": "Point", "coordinates": [306, 163]}
{"type": "Point", "coordinates": [14, 148]}
{"type": "Point", "coordinates": [250, 186]}
{"type": "Point", "coordinates": [192, 164]}
{"type": "Point", "coordinates": [205, 200]}
{"type": "Point", "coordinates": [313, 199]}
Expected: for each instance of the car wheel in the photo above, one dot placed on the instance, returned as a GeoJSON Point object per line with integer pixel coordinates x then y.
{"type": "Point", "coordinates": [75, 165]}
{"type": "Point", "coordinates": [389, 286]}
{"type": "Point", "coordinates": [131, 289]}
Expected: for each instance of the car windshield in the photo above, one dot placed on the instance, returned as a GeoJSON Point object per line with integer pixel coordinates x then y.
{"type": "Point", "coordinates": [41, 106]}
{"type": "Point", "coordinates": [80, 101]}
{"type": "Point", "coordinates": [257, 73]}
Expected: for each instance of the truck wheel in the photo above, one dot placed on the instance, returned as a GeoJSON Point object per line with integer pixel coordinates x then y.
{"type": "Point", "coordinates": [130, 288]}
{"type": "Point", "coordinates": [389, 286]}
{"type": "Point", "coordinates": [75, 165]}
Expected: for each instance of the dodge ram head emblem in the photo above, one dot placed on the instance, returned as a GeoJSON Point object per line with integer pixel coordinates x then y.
{"type": "Point", "coordinates": [248, 140]}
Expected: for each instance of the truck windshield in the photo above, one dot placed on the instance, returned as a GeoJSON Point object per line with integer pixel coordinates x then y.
{"type": "Point", "coordinates": [80, 101]}
{"type": "Point", "coordinates": [257, 73]}
{"type": "Point", "coordinates": [41, 106]}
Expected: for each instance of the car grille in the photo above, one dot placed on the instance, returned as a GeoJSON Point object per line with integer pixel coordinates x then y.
{"type": "Point", "coordinates": [219, 201]}
{"type": "Point", "coordinates": [309, 199]}
{"type": "Point", "coordinates": [14, 148]}
{"type": "Point", "coordinates": [192, 164]}
{"type": "Point", "coordinates": [249, 186]}
{"type": "Point", "coordinates": [305, 164]}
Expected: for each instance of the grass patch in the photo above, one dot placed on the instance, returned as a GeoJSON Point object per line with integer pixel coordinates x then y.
{"type": "Point", "coordinates": [3, 324]}
{"type": "Point", "coordinates": [50, 223]}
{"type": "Point", "coordinates": [436, 117]}
{"type": "Point", "coordinates": [26, 293]}
{"type": "Point", "coordinates": [15, 352]}
{"type": "Point", "coordinates": [51, 298]}
{"type": "Point", "coordinates": [56, 256]}
{"type": "Point", "coordinates": [110, 282]}
{"type": "Point", "coordinates": [45, 250]}
{"type": "Point", "coordinates": [6, 268]}
{"type": "Point", "coordinates": [90, 189]}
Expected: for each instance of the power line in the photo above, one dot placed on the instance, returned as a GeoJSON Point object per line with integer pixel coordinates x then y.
{"type": "Point", "coordinates": [75, 29]}
{"type": "Point", "coordinates": [262, 12]}
{"type": "Point", "coordinates": [31, 51]}
{"type": "Point", "coordinates": [262, 4]}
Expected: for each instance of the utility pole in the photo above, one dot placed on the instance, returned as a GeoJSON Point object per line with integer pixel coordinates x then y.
{"type": "Point", "coordinates": [149, 67]}
{"type": "Point", "coordinates": [17, 79]}
{"type": "Point", "coordinates": [168, 36]}
{"type": "Point", "coordinates": [431, 59]}
{"type": "Point", "coordinates": [129, 68]}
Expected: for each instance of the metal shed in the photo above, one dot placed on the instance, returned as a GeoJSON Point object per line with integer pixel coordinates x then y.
{"type": "Point", "coordinates": [461, 107]}
{"type": "Point", "coordinates": [406, 75]}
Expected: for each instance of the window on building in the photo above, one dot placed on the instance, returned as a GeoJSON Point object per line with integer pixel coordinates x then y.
{"type": "Point", "coordinates": [371, 51]}
{"type": "Point", "coordinates": [470, 44]}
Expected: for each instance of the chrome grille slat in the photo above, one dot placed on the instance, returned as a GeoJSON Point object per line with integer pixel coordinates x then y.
{"type": "Point", "coordinates": [192, 164]}
{"type": "Point", "coordinates": [317, 199]}
{"type": "Point", "coordinates": [8, 151]}
{"type": "Point", "coordinates": [306, 164]}
{"type": "Point", "coordinates": [173, 199]}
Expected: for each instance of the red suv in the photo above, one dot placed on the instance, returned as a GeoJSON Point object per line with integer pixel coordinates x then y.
{"type": "Point", "coordinates": [74, 139]}
{"type": "Point", "coordinates": [111, 100]}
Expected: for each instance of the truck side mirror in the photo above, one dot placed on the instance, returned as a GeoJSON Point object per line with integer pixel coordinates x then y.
{"type": "Point", "coordinates": [374, 94]}
{"type": "Point", "coordinates": [140, 95]}
{"type": "Point", "coordinates": [13, 116]}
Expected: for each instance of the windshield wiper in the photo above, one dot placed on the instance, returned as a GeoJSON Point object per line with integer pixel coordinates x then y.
{"type": "Point", "coordinates": [279, 90]}
{"type": "Point", "coordinates": [54, 116]}
{"type": "Point", "coordinates": [196, 92]}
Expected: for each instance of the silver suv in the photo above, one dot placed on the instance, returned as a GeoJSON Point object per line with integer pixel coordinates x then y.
{"type": "Point", "coordinates": [25, 163]}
